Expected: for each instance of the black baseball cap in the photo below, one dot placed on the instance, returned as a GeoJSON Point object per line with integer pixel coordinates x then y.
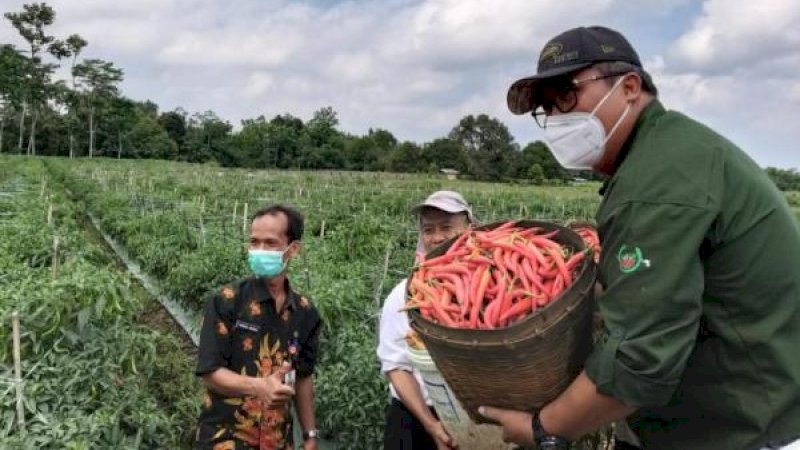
{"type": "Point", "coordinates": [571, 51]}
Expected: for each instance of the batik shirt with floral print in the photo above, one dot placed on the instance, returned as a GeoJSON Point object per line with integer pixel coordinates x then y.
{"type": "Point", "coordinates": [243, 332]}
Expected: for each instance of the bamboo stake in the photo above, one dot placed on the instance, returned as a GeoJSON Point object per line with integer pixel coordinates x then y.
{"type": "Point", "coordinates": [50, 214]}
{"type": "Point", "coordinates": [235, 207]}
{"type": "Point", "coordinates": [18, 371]}
{"type": "Point", "coordinates": [322, 230]}
{"type": "Point", "coordinates": [306, 272]}
{"type": "Point", "coordinates": [202, 232]}
{"type": "Point", "coordinates": [244, 219]}
{"type": "Point", "coordinates": [55, 257]}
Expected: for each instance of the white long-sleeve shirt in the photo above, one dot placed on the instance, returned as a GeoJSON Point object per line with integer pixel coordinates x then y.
{"type": "Point", "coordinates": [392, 345]}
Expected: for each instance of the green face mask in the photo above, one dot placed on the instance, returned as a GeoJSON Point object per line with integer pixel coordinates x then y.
{"type": "Point", "coordinates": [266, 263]}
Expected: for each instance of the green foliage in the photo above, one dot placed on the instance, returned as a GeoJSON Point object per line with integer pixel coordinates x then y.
{"type": "Point", "coordinates": [537, 153]}
{"type": "Point", "coordinates": [407, 157]}
{"type": "Point", "coordinates": [786, 180]}
{"type": "Point", "coordinates": [174, 123]}
{"type": "Point", "coordinates": [348, 371]}
{"type": "Point", "coordinates": [31, 23]}
{"type": "Point", "coordinates": [217, 262]}
{"type": "Point", "coordinates": [148, 139]}
{"type": "Point", "coordinates": [93, 376]}
{"type": "Point", "coordinates": [536, 174]}
{"type": "Point", "coordinates": [445, 153]}
{"type": "Point", "coordinates": [13, 67]}
{"type": "Point", "coordinates": [207, 139]}
{"type": "Point", "coordinates": [488, 146]}
{"type": "Point", "coordinates": [97, 391]}
{"type": "Point", "coordinates": [98, 77]}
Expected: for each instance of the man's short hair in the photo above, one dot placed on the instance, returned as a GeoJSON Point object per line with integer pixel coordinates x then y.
{"type": "Point", "coordinates": [622, 67]}
{"type": "Point", "coordinates": [294, 218]}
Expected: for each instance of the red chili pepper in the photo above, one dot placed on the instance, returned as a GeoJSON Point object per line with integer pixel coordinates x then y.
{"type": "Point", "coordinates": [477, 301]}
{"type": "Point", "coordinates": [446, 258]}
{"type": "Point", "coordinates": [521, 307]}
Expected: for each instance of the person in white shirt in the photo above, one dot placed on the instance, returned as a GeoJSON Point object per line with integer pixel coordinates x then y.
{"type": "Point", "coordinates": [411, 423]}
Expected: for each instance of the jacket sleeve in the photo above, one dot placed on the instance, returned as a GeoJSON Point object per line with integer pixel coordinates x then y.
{"type": "Point", "coordinates": [652, 302]}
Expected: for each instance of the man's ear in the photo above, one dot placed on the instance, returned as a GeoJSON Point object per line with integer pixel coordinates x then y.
{"type": "Point", "coordinates": [294, 248]}
{"type": "Point", "coordinates": [632, 86]}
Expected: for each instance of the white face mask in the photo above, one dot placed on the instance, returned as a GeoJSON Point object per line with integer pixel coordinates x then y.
{"type": "Point", "coordinates": [578, 139]}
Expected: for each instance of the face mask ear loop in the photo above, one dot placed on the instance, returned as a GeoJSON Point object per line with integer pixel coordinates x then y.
{"type": "Point", "coordinates": [284, 252]}
{"type": "Point", "coordinates": [616, 125]}
{"type": "Point", "coordinates": [603, 100]}
{"type": "Point", "coordinates": [608, 94]}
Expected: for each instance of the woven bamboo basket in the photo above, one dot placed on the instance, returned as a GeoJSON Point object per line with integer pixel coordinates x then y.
{"type": "Point", "coordinates": [527, 364]}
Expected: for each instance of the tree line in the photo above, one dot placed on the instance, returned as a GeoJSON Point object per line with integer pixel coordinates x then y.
{"type": "Point", "coordinates": [87, 115]}
{"type": "Point", "coordinates": [785, 179]}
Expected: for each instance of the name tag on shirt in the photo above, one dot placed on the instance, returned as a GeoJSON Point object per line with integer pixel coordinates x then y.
{"type": "Point", "coordinates": [247, 326]}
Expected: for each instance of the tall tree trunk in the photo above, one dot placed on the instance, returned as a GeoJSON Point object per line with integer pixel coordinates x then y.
{"type": "Point", "coordinates": [32, 138]}
{"type": "Point", "coordinates": [71, 145]}
{"type": "Point", "coordinates": [21, 126]}
{"type": "Point", "coordinates": [119, 144]}
{"type": "Point", "coordinates": [91, 131]}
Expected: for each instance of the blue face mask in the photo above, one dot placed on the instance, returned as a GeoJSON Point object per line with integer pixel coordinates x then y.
{"type": "Point", "coordinates": [266, 263]}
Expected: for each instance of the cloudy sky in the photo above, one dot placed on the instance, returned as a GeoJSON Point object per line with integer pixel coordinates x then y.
{"type": "Point", "coordinates": [415, 67]}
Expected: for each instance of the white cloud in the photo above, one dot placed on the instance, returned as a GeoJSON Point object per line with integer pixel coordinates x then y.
{"type": "Point", "coordinates": [737, 68]}
{"type": "Point", "coordinates": [354, 67]}
{"type": "Point", "coordinates": [736, 34]}
{"type": "Point", "coordinates": [259, 83]}
{"type": "Point", "coordinates": [228, 49]}
{"type": "Point", "coordinates": [457, 35]}
{"type": "Point", "coordinates": [794, 92]}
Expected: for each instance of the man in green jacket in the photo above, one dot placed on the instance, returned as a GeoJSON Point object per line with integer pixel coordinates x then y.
{"type": "Point", "coordinates": [700, 265]}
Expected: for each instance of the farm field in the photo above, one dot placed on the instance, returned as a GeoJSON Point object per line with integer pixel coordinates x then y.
{"type": "Point", "coordinates": [99, 369]}
{"type": "Point", "coordinates": [185, 226]}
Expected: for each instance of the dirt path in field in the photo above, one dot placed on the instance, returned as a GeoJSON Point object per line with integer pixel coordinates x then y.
{"type": "Point", "coordinates": [157, 318]}
{"type": "Point", "coordinates": [155, 315]}
{"type": "Point", "coordinates": [186, 319]}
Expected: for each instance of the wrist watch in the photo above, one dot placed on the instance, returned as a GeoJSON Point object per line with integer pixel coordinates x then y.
{"type": "Point", "coordinates": [544, 440]}
{"type": "Point", "coordinates": [310, 434]}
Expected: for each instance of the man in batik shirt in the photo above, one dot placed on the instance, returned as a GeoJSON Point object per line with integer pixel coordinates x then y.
{"type": "Point", "coordinates": [259, 336]}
